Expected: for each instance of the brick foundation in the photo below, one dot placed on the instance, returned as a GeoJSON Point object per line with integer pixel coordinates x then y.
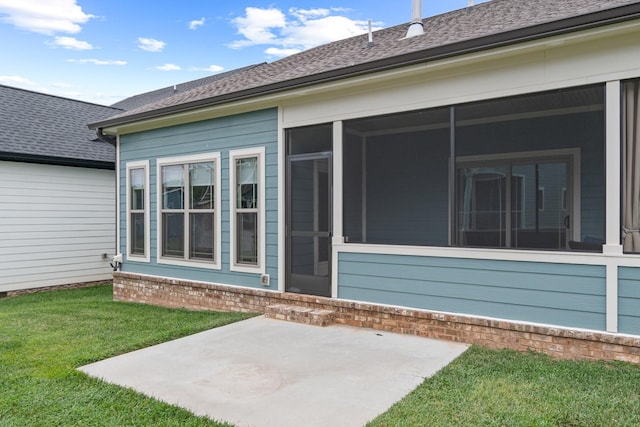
{"type": "Point", "coordinates": [555, 341]}
{"type": "Point", "coordinates": [53, 288]}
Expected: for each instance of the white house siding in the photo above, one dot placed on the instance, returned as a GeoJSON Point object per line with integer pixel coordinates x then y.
{"type": "Point", "coordinates": [56, 222]}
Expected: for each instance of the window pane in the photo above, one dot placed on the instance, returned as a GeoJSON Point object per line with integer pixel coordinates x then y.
{"type": "Point", "coordinates": [173, 187]}
{"type": "Point", "coordinates": [543, 219]}
{"type": "Point", "coordinates": [201, 179]}
{"type": "Point", "coordinates": [247, 183]}
{"type": "Point", "coordinates": [173, 234]}
{"type": "Point", "coordinates": [482, 206]}
{"type": "Point", "coordinates": [247, 238]}
{"type": "Point", "coordinates": [136, 182]}
{"type": "Point", "coordinates": [137, 233]}
{"type": "Point", "coordinates": [201, 236]}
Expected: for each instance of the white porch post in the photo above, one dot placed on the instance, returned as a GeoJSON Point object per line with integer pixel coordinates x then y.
{"type": "Point", "coordinates": [337, 205]}
{"type": "Point", "coordinates": [282, 161]}
{"type": "Point", "coordinates": [612, 246]}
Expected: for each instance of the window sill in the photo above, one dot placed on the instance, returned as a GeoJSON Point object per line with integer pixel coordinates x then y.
{"type": "Point", "coordinates": [185, 263]}
{"type": "Point", "coordinates": [239, 268]}
{"type": "Point", "coordinates": [137, 258]}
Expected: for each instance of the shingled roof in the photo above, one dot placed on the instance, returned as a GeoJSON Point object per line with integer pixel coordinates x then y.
{"type": "Point", "coordinates": [42, 128]}
{"type": "Point", "coordinates": [487, 25]}
{"type": "Point", "coordinates": [146, 98]}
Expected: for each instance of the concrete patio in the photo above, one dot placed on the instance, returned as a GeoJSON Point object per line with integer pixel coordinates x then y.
{"type": "Point", "coordinates": [265, 372]}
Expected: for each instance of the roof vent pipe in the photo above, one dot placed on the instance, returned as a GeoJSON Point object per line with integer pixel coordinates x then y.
{"type": "Point", "coordinates": [416, 28]}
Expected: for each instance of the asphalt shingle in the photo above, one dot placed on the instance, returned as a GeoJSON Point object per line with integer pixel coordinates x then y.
{"type": "Point", "coordinates": [142, 99]}
{"type": "Point", "coordinates": [37, 124]}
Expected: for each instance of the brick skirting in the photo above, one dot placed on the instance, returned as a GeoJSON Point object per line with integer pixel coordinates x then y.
{"type": "Point", "coordinates": [558, 342]}
{"type": "Point", "coordinates": [55, 288]}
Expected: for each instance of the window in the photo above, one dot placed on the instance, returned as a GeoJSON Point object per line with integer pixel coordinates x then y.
{"type": "Point", "coordinates": [500, 203]}
{"type": "Point", "coordinates": [188, 217]}
{"type": "Point", "coordinates": [137, 206]}
{"type": "Point", "coordinates": [247, 209]}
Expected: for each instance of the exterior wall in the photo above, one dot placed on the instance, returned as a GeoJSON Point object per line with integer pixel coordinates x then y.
{"type": "Point", "coordinates": [55, 224]}
{"type": "Point", "coordinates": [557, 294]}
{"type": "Point", "coordinates": [557, 342]}
{"type": "Point", "coordinates": [629, 300]}
{"type": "Point", "coordinates": [250, 130]}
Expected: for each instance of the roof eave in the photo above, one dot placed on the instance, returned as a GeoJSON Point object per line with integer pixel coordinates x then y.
{"type": "Point", "coordinates": [57, 161]}
{"type": "Point", "coordinates": [555, 28]}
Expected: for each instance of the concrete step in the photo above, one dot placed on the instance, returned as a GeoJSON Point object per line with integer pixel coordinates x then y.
{"type": "Point", "coordinates": [293, 313]}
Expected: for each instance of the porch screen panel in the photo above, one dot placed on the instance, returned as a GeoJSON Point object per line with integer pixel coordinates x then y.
{"type": "Point", "coordinates": [518, 161]}
{"type": "Point", "coordinates": [528, 172]}
{"type": "Point", "coordinates": [395, 179]}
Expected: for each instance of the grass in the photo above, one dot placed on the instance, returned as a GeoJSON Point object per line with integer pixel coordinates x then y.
{"type": "Point", "coordinates": [45, 336]}
{"type": "Point", "coordinates": [506, 388]}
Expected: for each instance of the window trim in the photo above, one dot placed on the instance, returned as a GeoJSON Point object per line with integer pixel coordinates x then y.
{"type": "Point", "coordinates": [259, 153]}
{"type": "Point", "coordinates": [142, 164]}
{"type": "Point", "coordinates": [182, 160]}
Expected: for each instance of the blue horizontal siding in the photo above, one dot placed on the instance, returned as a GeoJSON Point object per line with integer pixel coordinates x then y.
{"type": "Point", "coordinates": [560, 294]}
{"type": "Point", "coordinates": [629, 300]}
{"type": "Point", "coordinates": [249, 130]}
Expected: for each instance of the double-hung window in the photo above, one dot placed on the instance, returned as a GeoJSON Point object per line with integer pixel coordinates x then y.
{"type": "Point", "coordinates": [137, 205]}
{"type": "Point", "coordinates": [247, 213]}
{"type": "Point", "coordinates": [188, 214]}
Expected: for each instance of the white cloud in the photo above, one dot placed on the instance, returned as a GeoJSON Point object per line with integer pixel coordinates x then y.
{"type": "Point", "coordinates": [19, 80]}
{"type": "Point", "coordinates": [44, 16]}
{"type": "Point", "coordinates": [304, 14]}
{"type": "Point", "coordinates": [150, 45]}
{"type": "Point", "coordinates": [211, 68]}
{"type": "Point", "coordinates": [71, 43]}
{"type": "Point", "coordinates": [257, 25]}
{"type": "Point", "coordinates": [62, 85]}
{"type": "Point", "coordinates": [169, 67]}
{"type": "Point", "coordinates": [97, 61]}
{"type": "Point", "coordinates": [196, 23]}
{"type": "Point", "coordinates": [298, 30]}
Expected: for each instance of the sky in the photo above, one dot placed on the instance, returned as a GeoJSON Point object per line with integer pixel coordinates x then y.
{"type": "Point", "coordinates": [103, 51]}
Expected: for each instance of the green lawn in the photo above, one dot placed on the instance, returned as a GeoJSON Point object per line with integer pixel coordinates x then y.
{"type": "Point", "coordinates": [45, 336]}
{"type": "Point", "coordinates": [506, 388]}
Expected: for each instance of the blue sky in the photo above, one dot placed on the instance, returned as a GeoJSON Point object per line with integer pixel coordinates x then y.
{"type": "Point", "coordinates": [105, 50]}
